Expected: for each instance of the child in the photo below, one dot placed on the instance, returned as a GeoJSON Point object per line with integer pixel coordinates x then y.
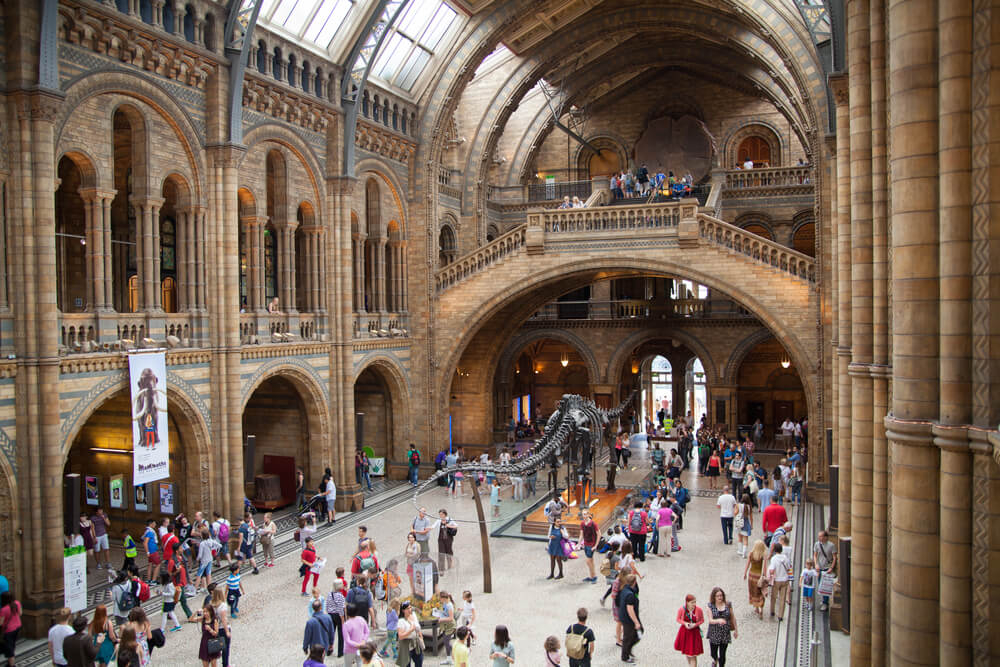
{"type": "Point", "coordinates": [552, 654]}
{"type": "Point", "coordinates": [807, 580]}
{"type": "Point", "coordinates": [495, 497]}
{"type": "Point", "coordinates": [317, 594]}
{"type": "Point", "coordinates": [460, 650]}
{"type": "Point", "coordinates": [457, 489]}
{"type": "Point", "coordinates": [131, 551]}
{"type": "Point", "coordinates": [171, 594]}
{"type": "Point", "coordinates": [391, 647]}
{"type": "Point", "coordinates": [235, 587]}
{"type": "Point", "coordinates": [468, 615]}
{"type": "Point", "coordinates": [339, 572]}
{"type": "Point", "coordinates": [609, 568]}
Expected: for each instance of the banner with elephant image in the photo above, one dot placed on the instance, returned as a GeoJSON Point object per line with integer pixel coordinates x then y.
{"type": "Point", "coordinates": [150, 449]}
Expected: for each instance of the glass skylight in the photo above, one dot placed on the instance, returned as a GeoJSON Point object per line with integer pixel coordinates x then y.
{"type": "Point", "coordinates": [314, 21]}
{"type": "Point", "coordinates": [410, 45]}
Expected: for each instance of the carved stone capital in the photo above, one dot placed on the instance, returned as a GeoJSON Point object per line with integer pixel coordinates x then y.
{"type": "Point", "coordinates": [839, 84]}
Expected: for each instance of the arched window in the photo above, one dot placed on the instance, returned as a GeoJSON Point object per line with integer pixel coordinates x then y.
{"type": "Point", "coordinates": [804, 238]}
{"type": "Point", "coordinates": [168, 16]}
{"type": "Point", "coordinates": [72, 272]}
{"type": "Point", "coordinates": [395, 116]}
{"type": "Point", "coordinates": [662, 386]}
{"type": "Point", "coordinates": [262, 57]}
{"type": "Point", "coordinates": [759, 229]}
{"type": "Point", "coordinates": [318, 82]}
{"type": "Point", "coordinates": [756, 149]}
{"type": "Point", "coordinates": [306, 77]}
{"type": "Point", "coordinates": [364, 104]}
{"type": "Point", "coordinates": [447, 246]}
{"type": "Point", "coordinates": [188, 22]}
{"type": "Point", "coordinates": [373, 225]}
{"type": "Point", "coordinates": [403, 123]}
{"type": "Point", "coordinates": [146, 11]}
{"type": "Point", "coordinates": [291, 69]}
{"type": "Point", "coordinates": [276, 64]}
{"type": "Point", "coordinates": [492, 233]}
{"type": "Point", "coordinates": [209, 32]}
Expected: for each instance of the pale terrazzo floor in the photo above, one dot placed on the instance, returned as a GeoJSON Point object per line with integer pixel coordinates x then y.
{"type": "Point", "coordinates": [269, 630]}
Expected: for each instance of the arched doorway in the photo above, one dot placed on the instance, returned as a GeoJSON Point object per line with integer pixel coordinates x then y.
{"type": "Point", "coordinates": [755, 149]}
{"type": "Point", "coordinates": [769, 388]}
{"type": "Point", "coordinates": [101, 455]}
{"type": "Point", "coordinates": [373, 406]}
{"type": "Point", "coordinates": [277, 416]}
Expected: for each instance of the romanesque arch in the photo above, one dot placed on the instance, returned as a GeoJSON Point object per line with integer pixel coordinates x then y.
{"type": "Point", "coordinates": [399, 421]}
{"type": "Point", "coordinates": [766, 136]}
{"type": "Point", "coordinates": [623, 352]}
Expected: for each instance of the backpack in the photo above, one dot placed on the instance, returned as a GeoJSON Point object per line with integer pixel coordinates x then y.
{"type": "Point", "coordinates": [223, 531]}
{"type": "Point", "coordinates": [576, 645]}
{"type": "Point", "coordinates": [606, 567]}
{"type": "Point", "coordinates": [366, 563]}
{"type": "Point", "coordinates": [143, 591]}
{"type": "Point", "coordinates": [635, 522]}
{"type": "Point", "coordinates": [414, 458]}
{"type": "Point", "coordinates": [126, 600]}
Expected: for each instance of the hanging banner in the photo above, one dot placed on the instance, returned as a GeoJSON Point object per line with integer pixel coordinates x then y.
{"type": "Point", "coordinates": [75, 578]}
{"type": "Point", "coordinates": [150, 450]}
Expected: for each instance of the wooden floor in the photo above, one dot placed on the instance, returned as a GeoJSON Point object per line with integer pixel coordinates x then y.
{"type": "Point", "coordinates": [603, 510]}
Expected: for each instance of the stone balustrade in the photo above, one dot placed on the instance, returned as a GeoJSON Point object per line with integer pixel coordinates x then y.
{"type": "Point", "coordinates": [757, 248]}
{"type": "Point", "coordinates": [659, 218]}
{"type": "Point", "coordinates": [482, 258]}
{"type": "Point", "coordinates": [762, 180]}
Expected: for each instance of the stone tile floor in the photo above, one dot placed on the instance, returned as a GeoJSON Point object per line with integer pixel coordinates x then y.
{"type": "Point", "coordinates": [273, 614]}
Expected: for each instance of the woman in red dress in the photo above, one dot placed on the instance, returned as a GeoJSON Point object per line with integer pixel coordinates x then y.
{"type": "Point", "coordinates": [688, 641]}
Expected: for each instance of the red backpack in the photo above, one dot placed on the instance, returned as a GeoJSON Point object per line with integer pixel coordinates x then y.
{"type": "Point", "coordinates": [143, 591]}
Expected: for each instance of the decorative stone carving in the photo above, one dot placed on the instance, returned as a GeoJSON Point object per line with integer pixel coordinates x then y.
{"type": "Point", "coordinates": [384, 142]}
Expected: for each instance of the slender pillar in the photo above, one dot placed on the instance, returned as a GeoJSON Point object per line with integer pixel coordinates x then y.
{"type": "Point", "coordinates": [359, 273]}
{"type": "Point", "coordinates": [323, 287]}
{"type": "Point", "coordinates": [287, 252]}
{"type": "Point", "coordinates": [201, 271]}
{"type": "Point", "coordinates": [955, 288]}
{"type": "Point", "coordinates": [94, 263]}
{"type": "Point", "coordinates": [840, 88]}
{"type": "Point", "coordinates": [378, 266]}
{"type": "Point", "coordinates": [109, 281]}
{"type": "Point", "coordinates": [915, 531]}
{"type": "Point", "coordinates": [183, 240]}
{"type": "Point", "coordinates": [858, 37]}
{"type": "Point", "coordinates": [154, 212]}
{"type": "Point", "coordinates": [880, 335]}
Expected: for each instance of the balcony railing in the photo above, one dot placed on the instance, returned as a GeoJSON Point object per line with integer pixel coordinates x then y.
{"type": "Point", "coordinates": [93, 332]}
{"type": "Point", "coordinates": [772, 177]}
{"type": "Point", "coordinates": [380, 325]}
{"type": "Point", "coordinates": [492, 253]}
{"type": "Point", "coordinates": [757, 247]}
{"type": "Point", "coordinates": [638, 309]}
{"type": "Point", "coordinates": [659, 217]}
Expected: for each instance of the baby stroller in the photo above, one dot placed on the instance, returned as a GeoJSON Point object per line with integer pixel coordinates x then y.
{"type": "Point", "coordinates": [315, 505]}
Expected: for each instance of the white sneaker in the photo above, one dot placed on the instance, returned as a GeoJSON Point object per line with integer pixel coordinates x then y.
{"type": "Point", "coordinates": [446, 662]}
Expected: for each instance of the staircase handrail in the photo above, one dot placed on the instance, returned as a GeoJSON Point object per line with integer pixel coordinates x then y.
{"type": "Point", "coordinates": [757, 247]}
{"type": "Point", "coordinates": [480, 258]}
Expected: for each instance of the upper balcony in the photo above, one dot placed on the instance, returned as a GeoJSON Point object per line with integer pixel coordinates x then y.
{"type": "Point", "coordinates": [768, 182]}
{"type": "Point", "coordinates": [639, 309]}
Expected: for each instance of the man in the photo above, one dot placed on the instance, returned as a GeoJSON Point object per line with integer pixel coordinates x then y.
{"type": "Point", "coordinates": [57, 636]}
{"type": "Point", "coordinates": [362, 536]}
{"type": "Point", "coordinates": [566, 203]}
{"type": "Point", "coordinates": [579, 654]}
{"type": "Point", "coordinates": [220, 531]}
{"type": "Point", "coordinates": [765, 495]}
{"type": "Point", "coordinates": [79, 649]}
{"type": "Point", "coordinates": [657, 455]}
{"type": "Point", "coordinates": [366, 468]}
{"type": "Point", "coordinates": [300, 489]}
{"type": "Point", "coordinates": [362, 600]}
{"type": "Point", "coordinates": [748, 164]}
{"type": "Point", "coordinates": [787, 427]}
{"type": "Point", "coordinates": [364, 564]}
{"type": "Point", "coordinates": [773, 517]}
{"type": "Point", "coordinates": [319, 629]}
{"type": "Point", "coordinates": [206, 557]}
{"type": "Point", "coordinates": [102, 552]}
{"type": "Point", "coordinates": [588, 534]}
{"type": "Point", "coordinates": [413, 463]}
{"type": "Point", "coordinates": [447, 529]}
{"type": "Point", "coordinates": [628, 612]}
{"type": "Point", "coordinates": [150, 544]}
{"type": "Point", "coordinates": [779, 572]}
{"type": "Point", "coordinates": [450, 460]}
{"type": "Point", "coordinates": [727, 506]}
{"type": "Point", "coordinates": [122, 597]}
{"type": "Point", "coordinates": [421, 527]}
{"type": "Point", "coordinates": [638, 526]}
{"type": "Point", "coordinates": [780, 532]}
{"type": "Point", "coordinates": [330, 495]}
{"type": "Point", "coordinates": [825, 558]}
{"type": "Point", "coordinates": [736, 469]}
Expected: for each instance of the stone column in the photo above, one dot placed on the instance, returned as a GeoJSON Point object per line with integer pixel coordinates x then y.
{"type": "Point", "coordinates": [322, 286]}
{"type": "Point", "coordinates": [913, 113]}
{"type": "Point", "coordinates": [378, 266]}
{"type": "Point", "coordinates": [107, 254]}
{"type": "Point", "coordinates": [955, 289]}
{"type": "Point", "coordinates": [144, 254]}
{"type": "Point", "coordinates": [880, 370]}
{"type": "Point", "coordinates": [286, 282]}
{"type": "Point", "coordinates": [840, 84]}
{"type": "Point", "coordinates": [858, 37]}
{"type": "Point", "coordinates": [95, 246]}
{"type": "Point", "coordinates": [157, 13]}
{"type": "Point", "coordinates": [831, 275]}
{"type": "Point", "coordinates": [155, 206]}
{"type": "Point", "coordinates": [201, 270]}
{"type": "Point", "coordinates": [357, 263]}
{"type": "Point", "coordinates": [182, 238]}
{"type": "Point", "coordinates": [251, 229]}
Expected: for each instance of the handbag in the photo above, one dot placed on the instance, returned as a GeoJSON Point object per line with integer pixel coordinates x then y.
{"type": "Point", "coordinates": [738, 521]}
{"type": "Point", "coordinates": [216, 645]}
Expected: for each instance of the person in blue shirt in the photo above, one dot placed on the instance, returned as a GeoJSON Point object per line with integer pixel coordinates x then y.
{"type": "Point", "coordinates": [152, 553]}
{"type": "Point", "coordinates": [319, 629]}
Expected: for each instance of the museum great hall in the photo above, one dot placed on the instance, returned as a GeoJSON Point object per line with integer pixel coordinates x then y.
{"type": "Point", "coordinates": [341, 221]}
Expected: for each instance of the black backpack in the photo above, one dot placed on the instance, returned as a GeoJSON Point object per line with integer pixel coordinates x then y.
{"type": "Point", "coordinates": [414, 458]}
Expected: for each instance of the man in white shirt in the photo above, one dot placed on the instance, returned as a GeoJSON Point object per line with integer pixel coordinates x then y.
{"type": "Point", "coordinates": [779, 572]}
{"type": "Point", "coordinates": [748, 164]}
{"type": "Point", "coordinates": [57, 634]}
{"type": "Point", "coordinates": [727, 506]}
{"type": "Point", "coordinates": [331, 498]}
{"type": "Point", "coordinates": [797, 431]}
{"type": "Point", "coordinates": [787, 427]}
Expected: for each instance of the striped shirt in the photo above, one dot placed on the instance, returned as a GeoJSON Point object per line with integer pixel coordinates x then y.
{"type": "Point", "coordinates": [233, 581]}
{"type": "Point", "coordinates": [336, 603]}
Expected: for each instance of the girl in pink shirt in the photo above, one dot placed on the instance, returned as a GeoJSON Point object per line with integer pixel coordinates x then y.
{"type": "Point", "coordinates": [10, 624]}
{"type": "Point", "coordinates": [355, 633]}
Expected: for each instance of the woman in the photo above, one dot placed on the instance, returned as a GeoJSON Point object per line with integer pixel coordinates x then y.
{"type": "Point", "coordinates": [721, 622]}
{"type": "Point", "coordinates": [745, 514]}
{"type": "Point", "coordinates": [308, 559]}
{"type": "Point", "coordinates": [137, 619]}
{"type": "Point", "coordinates": [412, 553]}
{"type": "Point", "coordinates": [209, 630]}
{"type": "Point", "coordinates": [667, 518]}
{"type": "Point", "coordinates": [619, 447]}
{"type": "Point", "coordinates": [712, 471]}
{"type": "Point", "coordinates": [129, 651]}
{"type": "Point", "coordinates": [755, 570]}
{"type": "Point", "coordinates": [615, 587]}
{"type": "Point", "coordinates": [225, 629]}
{"type": "Point", "coordinates": [307, 528]}
{"type": "Point", "coordinates": [688, 641]}
{"type": "Point", "coordinates": [103, 632]}
{"type": "Point", "coordinates": [411, 641]}
{"type": "Point", "coordinates": [627, 562]}
{"type": "Point", "coordinates": [266, 532]}
{"type": "Point", "coordinates": [10, 624]}
{"type": "Point", "coordinates": [501, 650]}
{"type": "Point", "coordinates": [556, 535]}
{"type": "Point", "coordinates": [447, 619]}
{"type": "Point", "coordinates": [88, 535]}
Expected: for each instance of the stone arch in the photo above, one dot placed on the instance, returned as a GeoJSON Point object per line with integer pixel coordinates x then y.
{"type": "Point", "coordinates": [247, 201]}
{"type": "Point", "coordinates": [145, 89]}
{"type": "Point", "coordinates": [313, 393]}
{"type": "Point", "coordinates": [584, 154]}
{"type": "Point", "coordinates": [388, 368]}
{"type": "Point", "coordinates": [755, 222]}
{"type": "Point", "coordinates": [194, 427]}
{"type": "Point", "coordinates": [740, 352]}
{"type": "Point", "coordinates": [382, 171]}
{"type": "Point", "coordinates": [85, 162]}
{"type": "Point", "coordinates": [514, 347]}
{"type": "Point", "coordinates": [804, 232]}
{"type": "Point", "coordinates": [762, 129]}
{"type": "Point", "coordinates": [293, 143]}
{"type": "Point", "coordinates": [622, 353]}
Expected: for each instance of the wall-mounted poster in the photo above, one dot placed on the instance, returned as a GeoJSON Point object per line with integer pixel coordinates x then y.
{"type": "Point", "coordinates": [166, 498]}
{"type": "Point", "coordinates": [141, 497]}
{"type": "Point", "coordinates": [92, 489]}
{"type": "Point", "coordinates": [150, 450]}
{"type": "Point", "coordinates": [117, 489]}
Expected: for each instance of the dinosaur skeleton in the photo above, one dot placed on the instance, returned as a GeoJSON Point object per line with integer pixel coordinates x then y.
{"type": "Point", "coordinates": [574, 431]}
